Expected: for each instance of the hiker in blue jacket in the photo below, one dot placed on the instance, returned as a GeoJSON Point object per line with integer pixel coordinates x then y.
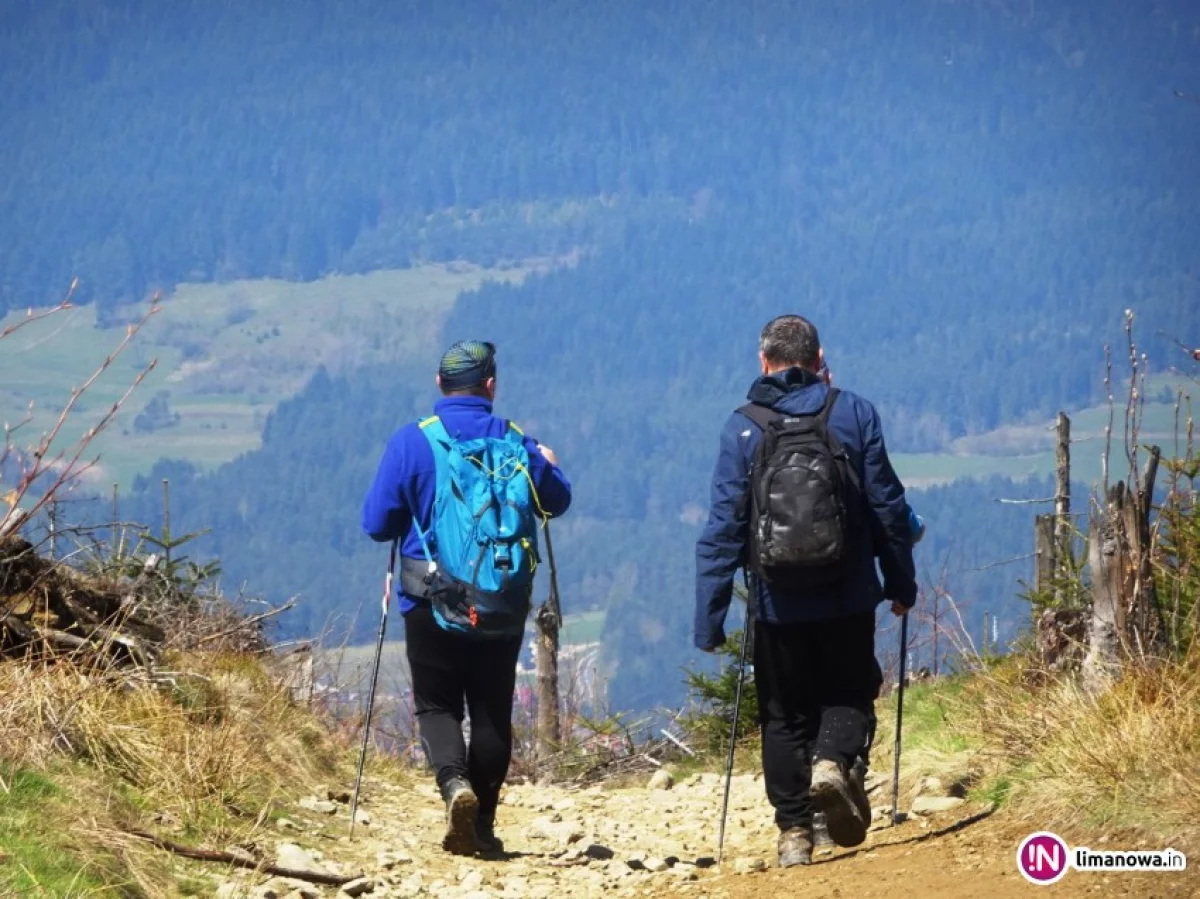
{"type": "Point", "coordinates": [815, 671]}
{"type": "Point", "coordinates": [447, 668]}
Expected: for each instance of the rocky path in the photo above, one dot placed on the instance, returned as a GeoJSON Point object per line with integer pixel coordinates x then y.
{"type": "Point", "coordinates": [657, 843]}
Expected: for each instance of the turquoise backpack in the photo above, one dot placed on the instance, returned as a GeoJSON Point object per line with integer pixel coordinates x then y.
{"type": "Point", "coordinates": [484, 534]}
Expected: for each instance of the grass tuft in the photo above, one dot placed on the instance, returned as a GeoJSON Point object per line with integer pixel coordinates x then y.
{"type": "Point", "coordinates": [1129, 757]}
{"type": "Point", "coordinates": [209, 757]}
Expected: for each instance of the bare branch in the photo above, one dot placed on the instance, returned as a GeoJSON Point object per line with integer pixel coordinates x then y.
{"type": "Point", "coordinates": [1002, 562]}
{"type": "Point", "coordinates": [71, 470]}
{"type": "Point", "coordinates": [249, 622]}
{"type": "Point", "coordinates": [1108, 428]}
{"type": "Point", "coordinates": [31, 316]}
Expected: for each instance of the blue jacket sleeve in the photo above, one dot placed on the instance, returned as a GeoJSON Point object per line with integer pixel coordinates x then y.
{"type": "Point", "coordinates": [722, 546]}
{"type": "Point", "coordinates": [889, 514]}
{"type": "Point", "coordinates": [553, 488]}
{"type": "Point", "coordinates": [386, 513]}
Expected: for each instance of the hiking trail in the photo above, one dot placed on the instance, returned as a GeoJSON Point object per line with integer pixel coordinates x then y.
{"type": "Point", "coordinates": [638, 841]}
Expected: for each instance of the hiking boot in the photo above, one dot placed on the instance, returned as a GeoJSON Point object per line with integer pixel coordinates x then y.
{"type": "Point", "coordinates": [462, 807]}
{"type": "Point", "coordinates": [821, 837]}
{"type": "Point", "coordinates": [488, 842]}
{"type": "Point", "coordinates": [858, 791]}
{"type": "Point", "coordinates": [833, 794]}
{"type": "Point", "coordinates": [795, 847]}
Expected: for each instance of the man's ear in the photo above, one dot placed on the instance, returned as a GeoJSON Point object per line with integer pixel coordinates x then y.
{"type": "Point", "coordinates": [490, 386]}
{"type": "Point", "coordinates": [762, 363]}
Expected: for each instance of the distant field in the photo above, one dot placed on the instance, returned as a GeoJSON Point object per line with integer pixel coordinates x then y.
{"type": "Point", "coordinates": [227, 354]}
{"type": "Point", "coordinates": [1028, 450]}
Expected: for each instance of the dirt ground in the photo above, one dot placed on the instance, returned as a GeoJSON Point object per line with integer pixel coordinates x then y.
{"type": "Point", "coordinates": [635, 842]}
{"type": "Point", "coordinates": [977, 860]}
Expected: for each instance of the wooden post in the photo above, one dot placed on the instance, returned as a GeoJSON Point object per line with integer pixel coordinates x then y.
{"type": "Point", "coordinates": [1045, 564]}
{"type": "Point", "coordinates": [1105, 559]}
{"type": "Point", "coordinates": [1149, 626]}
{"type": "Point", "coordinates": [984, 643]}
{"type": "Point", "coordinates": [549, 622]}
{"type": "Point", "coordinates": [1062, 511]}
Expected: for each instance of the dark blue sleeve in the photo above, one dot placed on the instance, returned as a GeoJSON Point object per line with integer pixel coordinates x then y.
{"type": "Point", "coordinates": [889, 513]}
{"type": "Point", "coordinates": [553, 488]}
{"type": "Point", "coordinates": [386, 513]}
{"type": "Point", "coordinates": [721, 548]}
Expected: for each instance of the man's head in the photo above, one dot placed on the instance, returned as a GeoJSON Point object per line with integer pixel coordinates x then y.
{"type": "Point", "coordinates": [468, 369]}
{"type": "Point", "coordinates": [790, 341]}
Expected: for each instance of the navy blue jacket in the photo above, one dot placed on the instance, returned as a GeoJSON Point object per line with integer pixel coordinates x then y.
{"type": "Point", "coordinates": [405, 482]}
{"type": "Point", "coordinates": [722, 547]}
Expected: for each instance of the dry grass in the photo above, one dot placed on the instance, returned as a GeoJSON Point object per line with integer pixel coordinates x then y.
{"type": "Point", "coordinates": [207, 756]}
{"type": "Point", "coordinates": [1129, 757]}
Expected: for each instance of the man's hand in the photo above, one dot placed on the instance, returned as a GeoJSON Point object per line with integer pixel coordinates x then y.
{"type": "Point", "coordinates": [548, 453]}
{"type": "Point", "coordinates": [898, 609]}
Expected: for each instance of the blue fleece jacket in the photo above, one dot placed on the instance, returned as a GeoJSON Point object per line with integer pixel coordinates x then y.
{"type": "Point", "coordinates": [722, 547]}
{"type": "Point", "coordinates": [406, 478]}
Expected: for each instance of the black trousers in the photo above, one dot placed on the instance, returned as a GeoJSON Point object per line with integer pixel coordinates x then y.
{"type": "Point", "coordinates": [447, 670]}
{"type": "Point", "coordinates": [816, 686]}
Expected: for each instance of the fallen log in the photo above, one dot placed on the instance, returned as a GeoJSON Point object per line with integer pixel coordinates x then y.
{"type": "Point", "coordinates": [239, 861]}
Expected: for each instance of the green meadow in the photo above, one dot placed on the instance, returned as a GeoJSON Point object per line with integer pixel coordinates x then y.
{"type": "Point", "coordinates": [224, 355]}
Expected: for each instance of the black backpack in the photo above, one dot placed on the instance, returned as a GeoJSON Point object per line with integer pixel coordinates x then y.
{"type": "Point", "coordinates": [803, 498]}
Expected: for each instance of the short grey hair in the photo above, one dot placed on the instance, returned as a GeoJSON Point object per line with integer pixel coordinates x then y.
{"type": "Point", "coordinates": [790, 340]}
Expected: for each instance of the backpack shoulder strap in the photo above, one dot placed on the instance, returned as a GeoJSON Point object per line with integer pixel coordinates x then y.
{"type": "Point", "coordinates": [760, 415]}
{"type": "Point", "coordinates": [440, 442]}
{"type": "Point", "coordinates": [830, 399]}
{"type": "Point", "coordinates": [513, 434]}
{"type": "Point", "coordinates": [435, 432]}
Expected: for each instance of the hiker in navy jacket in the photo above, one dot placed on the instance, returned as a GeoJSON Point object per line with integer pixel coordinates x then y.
{"type": "Point", "coordinates": [815, 670]}
{"type": "Point", "coordinates": [445, 667]}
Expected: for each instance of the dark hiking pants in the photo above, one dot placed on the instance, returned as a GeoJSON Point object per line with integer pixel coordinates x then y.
{"type": "Point", "coordinates": [816, 686]}
{"type": "Point", "coordinates": [446, 670]}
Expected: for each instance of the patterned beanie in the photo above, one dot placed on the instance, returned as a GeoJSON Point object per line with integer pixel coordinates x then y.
{"type": "Point", "coordinates": [467, 364]}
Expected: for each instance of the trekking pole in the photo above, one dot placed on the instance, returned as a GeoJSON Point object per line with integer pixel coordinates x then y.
{"type": "Point", "coordinates": [737, 708]}
{"type": "Point", "coordinates": [899, 720]}
{"type": "Point", "coordinates": [362, 756]}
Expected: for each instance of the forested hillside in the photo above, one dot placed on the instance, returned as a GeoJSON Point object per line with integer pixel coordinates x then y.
{"type": "Point", "coordinates": [963, 195]}
{"type": "Point", "coordinates": [972, 185]}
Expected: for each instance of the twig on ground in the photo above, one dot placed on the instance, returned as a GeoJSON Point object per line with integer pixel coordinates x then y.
{"type": "Point", "coordinates": [238, 861]}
